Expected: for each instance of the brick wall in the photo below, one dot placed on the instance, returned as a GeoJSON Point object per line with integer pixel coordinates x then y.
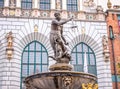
{"type": "Point", "coordinates": [112, 20]}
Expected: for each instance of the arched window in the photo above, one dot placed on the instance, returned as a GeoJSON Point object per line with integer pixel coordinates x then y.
{"type": "Point", "coordinates": [81, 52]}
{"type": "Point", "coordinates": [26, 4]}
{"type": "Point", "coordinates": [34, 60]}
{"type": "Point", "coordinates": [1, 3]}
{"type": "Point", "coordinates": [72, 5]}
{"type": "Point", "coordinates": [44, 5]}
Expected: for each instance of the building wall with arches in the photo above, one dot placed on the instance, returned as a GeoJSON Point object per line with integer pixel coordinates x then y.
{"type": "Point", "coordinates": [87, 32]}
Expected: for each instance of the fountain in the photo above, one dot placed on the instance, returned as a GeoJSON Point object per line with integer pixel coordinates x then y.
{"type": "Point", "coordinates": [61, 75]}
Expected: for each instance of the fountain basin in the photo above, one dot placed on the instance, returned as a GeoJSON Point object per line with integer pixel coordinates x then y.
{"type": "Point", "coordinates": [59, 80]}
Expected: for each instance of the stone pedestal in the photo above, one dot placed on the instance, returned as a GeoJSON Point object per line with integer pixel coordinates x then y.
{"type": "Point", "coordinates": [61, 67]}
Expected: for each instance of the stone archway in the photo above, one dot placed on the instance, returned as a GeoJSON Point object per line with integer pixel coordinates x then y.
{"type": "Point", "coordinates": [101, 65]}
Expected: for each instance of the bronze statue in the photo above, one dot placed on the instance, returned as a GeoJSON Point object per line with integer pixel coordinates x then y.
{"type": "Point", "coordinates": [57, 40]}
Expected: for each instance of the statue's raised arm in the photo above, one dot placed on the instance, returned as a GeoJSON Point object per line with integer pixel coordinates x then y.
{"type": "Point", "coordinates": [58, 21]}
{"type": "Point", "coordinates": [57, 39]}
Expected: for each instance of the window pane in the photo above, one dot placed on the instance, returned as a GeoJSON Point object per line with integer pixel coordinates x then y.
{"type": "Point", "coordinates": [79, 56]}
{"type": "Point", "coordinates": [38, 57]}
{"type": "Point", "coordinates": [90, 50]}
{"type": "Point", "coordinates": [73, 58]}
{"type": "Point", "coordinates": [24, 71]}
{"type": "Point", "coordinates": [45, 4]}
{"type": "Point", "coordinates": [1, 3]}
{"type": "Point", "coordinates": [38, 47]}
{"type": "Point", "coordinates": [118, 17]}
{"type": "Point", "coordinates": [38, 69]}
{"type": "Point", "coordinates": [78, 68]}
{"type": "Point", "coordinates": [79, 48]}
{"type": "Point", "coordinates": [26, 4]}
{"type": "Point", "coordinates": [44, 55]}
{"type": "Point", "coordinates": [72, 5]}
{"type": "Point", "coordinates": [31, 69]}
{"type": "Point", "coordinates": [92, 59]}
{"type": "Point", "coordinates": [92, 70]}
{"type": "Point", "coordinates": [31, 57]}
{"type": "Point", "coordinates": [44, 68]}
{"type": "Point", "coordinates": [85, 48]}
{"type": "Point", "coordinates": [32, 46]}
{"type": "Point", "coordinates": [25, 57]}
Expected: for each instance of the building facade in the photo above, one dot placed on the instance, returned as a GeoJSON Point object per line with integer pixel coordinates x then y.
{"type": "Point", "coordinates": [25, 47]}
{"type": "Point", "coordinates": [114, 42]}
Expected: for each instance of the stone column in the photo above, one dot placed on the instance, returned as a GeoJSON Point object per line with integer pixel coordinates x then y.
{"type": "Point", "coordinates": [6, 3]}
{"type": "Point", "coordinates": [52, 4]}
{"type": "Point", "coordinates": [35, 4]}
{"type": "Point", "coordinates": [18, 8]}
{"type": "Point", "coordinates": [52, 8]}
{"type": "Point", "coordinates": [64, 4]}
{"type": "Point", "coordinates": [64, 9]}
{"type": "Point", "coordinates": [80, 5]}
{"type": "Point", "coordinates": [6, 8]}
{"type": "Point", "coordinates": [18, 3]}
{"type": "Point", "coordinates": [35, 7]}
{"type": "Point", "coordinates": [81, 13]}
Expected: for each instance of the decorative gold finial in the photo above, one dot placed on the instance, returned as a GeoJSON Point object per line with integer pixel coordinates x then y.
{"type": "Point", "coordinates": [36, 28]}
{"type": "Point", "coordinates": [109, 4]}
{"type": "Point", "coordinates": [83, 30]}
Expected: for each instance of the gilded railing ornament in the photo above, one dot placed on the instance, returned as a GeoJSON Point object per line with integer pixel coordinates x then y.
{"type": "Point", "coordinates": [89, 86]}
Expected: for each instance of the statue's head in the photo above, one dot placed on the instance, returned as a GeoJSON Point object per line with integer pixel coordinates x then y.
{"type": "Point", "coordinates": [57, 15]}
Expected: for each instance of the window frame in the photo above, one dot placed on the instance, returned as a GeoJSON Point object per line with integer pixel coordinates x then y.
{"type": "Point", "coordinates": [89, 51]}
{"type": "Point", "coordinates": [28, 64]}
{"type": "Point", "coordinates": [71, 5]}
{"type": "Point", "coordinates": [26, 2]}
{"type": "Point", "coordinates": [2, 4]}
{"type": "Point", "coordinates": [48, 4]}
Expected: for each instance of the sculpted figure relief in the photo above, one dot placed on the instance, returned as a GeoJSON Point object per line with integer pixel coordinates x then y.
{"type": "Point", "coordinates": [105, 43]}
{"type": "Point", "coordinates": [89, 3]}
{"type": "Point", "coordinates": [58, 5]}
{"type": "Point", "coordinates": [57, 40]}
{"type": "Point", "coordinates": [12, 3]}
{"type": "Point", "coordinates": [9, 39]}
{"type": "Point", "coordinates": [9, 49]}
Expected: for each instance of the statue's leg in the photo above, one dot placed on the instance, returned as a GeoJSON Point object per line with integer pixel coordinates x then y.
{"type": "Point", "coordinates": [58, 50]}
{"type": "Point", "coordinates": [52, 42]}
